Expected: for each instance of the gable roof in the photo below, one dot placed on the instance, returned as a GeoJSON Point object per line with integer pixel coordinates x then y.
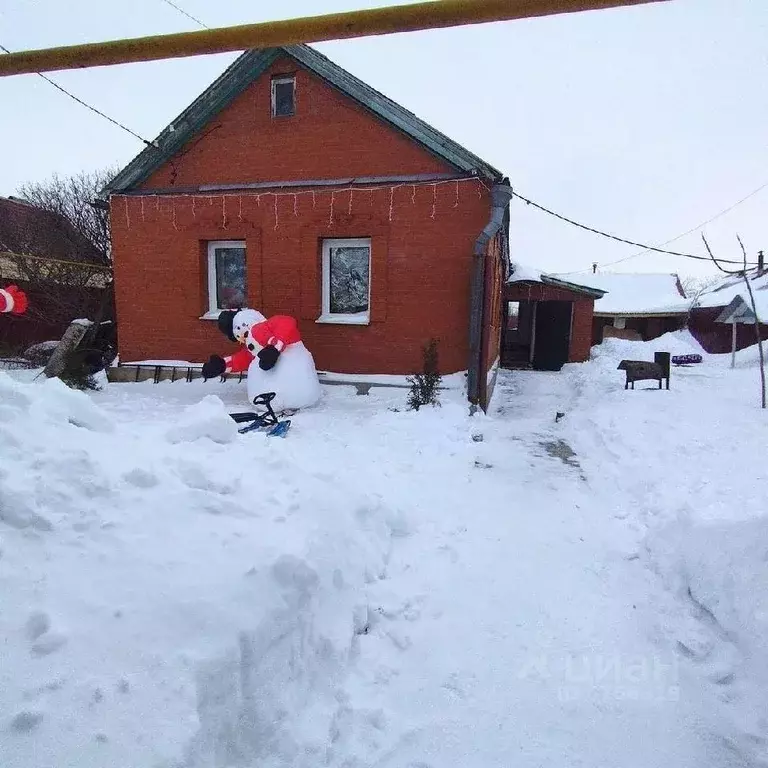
{"type": "Point", "coordinates": [639, 293]}
{"type": "Point", "coordinates": [723, 293]}
{"type": "Point", "coordinates": [249, 67]}
{"type": "Point", "coordinates": [27, 230]}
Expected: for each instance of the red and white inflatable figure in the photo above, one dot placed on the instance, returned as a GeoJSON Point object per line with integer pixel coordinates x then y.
{"type": "Point", "coordinates": [274, 356]}
{"type": "Point", "coordinates": [13, 300]}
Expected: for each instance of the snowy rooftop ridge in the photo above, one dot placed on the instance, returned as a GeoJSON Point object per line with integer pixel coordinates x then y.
{"type": "Point", "coordinates": [523, 273]}
{"type": "Point", "coordinates": [722, 293]}
{"type": "Point", "coordinates": [638, 293]}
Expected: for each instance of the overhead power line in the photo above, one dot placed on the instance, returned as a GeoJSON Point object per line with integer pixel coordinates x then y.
{"type": "Point", "coordinates": [614, 237]}
{"type": "Point", "coordinates": [188, 15]}
{"type": "Point", "coordinates": [88, 106]}
{"type": "Point", "coordinates": [693, 229]}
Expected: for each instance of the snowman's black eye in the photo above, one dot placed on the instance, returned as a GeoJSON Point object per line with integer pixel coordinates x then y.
{"type": "Point", "coordinates": [245, 334]}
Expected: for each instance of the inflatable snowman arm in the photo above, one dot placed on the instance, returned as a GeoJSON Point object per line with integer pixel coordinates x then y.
{"type": "Point", "coordinates": [282, 330]}
{"type": "Point", "coordinates": [238, 362]}
{"type": "Point", "coordinates": [13, 300]}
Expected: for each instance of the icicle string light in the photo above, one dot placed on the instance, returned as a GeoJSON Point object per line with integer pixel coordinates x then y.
{"type": "Point", "coordinates": [295, 195]}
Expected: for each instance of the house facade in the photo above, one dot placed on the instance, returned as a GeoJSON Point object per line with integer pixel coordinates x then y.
{"type": "Point", "coordinates": [547, 320]}
{"type": "Point", "coordinates": [292, 187]}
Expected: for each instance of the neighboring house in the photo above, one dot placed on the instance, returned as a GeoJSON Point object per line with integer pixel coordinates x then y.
{"type": "Point", "coordinates": [547, 320]}
{"type": "Point", "coordinates": [731, 292]}
{"type": "Point", "coordinates": [291, 186]}
{"type": "Point", "coordinates": [637, 306]}
{"type": "Point", "coordinates": [63, 275]}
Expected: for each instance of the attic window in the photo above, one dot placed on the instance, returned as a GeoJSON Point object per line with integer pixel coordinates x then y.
{"type": "Point", "coordinates": [283, 96]}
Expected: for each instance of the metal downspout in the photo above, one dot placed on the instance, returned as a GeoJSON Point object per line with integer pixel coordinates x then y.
{"type": "Point", "coordinates": [501, 194]}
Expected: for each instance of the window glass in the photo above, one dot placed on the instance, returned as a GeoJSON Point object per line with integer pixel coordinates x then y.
{"type": "Point", "coordinates": [349, 275]}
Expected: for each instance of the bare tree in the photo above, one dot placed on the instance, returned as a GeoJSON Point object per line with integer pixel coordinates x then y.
{"type": "Point", "coordinates": [73, 197]}
{"type": "Point", "coordinates": [694, 286]}
{"type": "Point", "coordinates": [744, 274]}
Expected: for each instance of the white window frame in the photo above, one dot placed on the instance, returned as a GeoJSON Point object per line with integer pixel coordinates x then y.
{"type": "Point", "coordinates": [359, 318]}
{"type": "Point", "coordinates": [213, 309]}
{"type": "Point", "coordinates": [281, 81]}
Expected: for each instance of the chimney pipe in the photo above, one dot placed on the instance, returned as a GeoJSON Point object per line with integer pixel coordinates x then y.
{"type": "Point", "coordinates": [760, 262]}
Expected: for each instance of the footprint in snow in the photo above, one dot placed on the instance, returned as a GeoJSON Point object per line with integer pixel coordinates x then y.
{"type": "Point", "coordinates": [141, 478]}
{"type": "Point", "coordinates": [26, 720]}
{"type": "Point", "coordinates": [43, 640]}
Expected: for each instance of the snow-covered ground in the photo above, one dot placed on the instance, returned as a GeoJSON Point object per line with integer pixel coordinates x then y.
{"type": "Point", "coordinates": [384, 588]}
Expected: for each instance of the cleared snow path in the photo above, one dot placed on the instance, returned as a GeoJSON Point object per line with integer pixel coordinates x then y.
{"type": "Point", "coordinates": [511, 628]}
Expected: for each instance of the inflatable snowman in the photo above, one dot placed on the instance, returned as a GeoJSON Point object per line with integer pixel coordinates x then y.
{"type": "Point", "coordinates": [274, 356]}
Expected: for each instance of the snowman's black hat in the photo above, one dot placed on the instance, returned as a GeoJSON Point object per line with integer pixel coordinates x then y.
{"type": "Point", "coordinates": [226, 322]}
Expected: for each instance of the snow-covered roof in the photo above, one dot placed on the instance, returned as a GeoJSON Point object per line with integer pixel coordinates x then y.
{"type": "Point", "coordinates": [523, 273]}
{"type": "Point", "coordinates": [637, 294]}
{"type": "Point", "coordinates": [724, 292]}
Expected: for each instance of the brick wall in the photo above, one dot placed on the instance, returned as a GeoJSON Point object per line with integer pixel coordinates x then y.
{"type": "Point", "coordinates": [329, 137]}
{"type": "Point", "coordinates": [420, 273]}
{"type": "Point", "coordinates": [581, 331]}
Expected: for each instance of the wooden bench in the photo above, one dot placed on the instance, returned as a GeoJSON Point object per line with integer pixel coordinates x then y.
{"type": "Point", "coordinates": [643, 370]}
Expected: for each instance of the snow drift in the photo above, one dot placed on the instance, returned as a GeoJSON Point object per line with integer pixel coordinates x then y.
{"type": "Point", "coordinates": [216, 588]}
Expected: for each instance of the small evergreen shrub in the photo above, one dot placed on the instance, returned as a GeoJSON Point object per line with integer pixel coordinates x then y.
{"type": "Point", "coordinates": [425, 385]}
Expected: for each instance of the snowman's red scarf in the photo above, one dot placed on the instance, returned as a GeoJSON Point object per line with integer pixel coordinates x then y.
{"type": "Point", "coordinates": [278, 331]}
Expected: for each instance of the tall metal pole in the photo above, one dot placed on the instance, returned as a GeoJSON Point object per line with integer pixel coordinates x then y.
{"type": "Point", "coordinates": [337, 26]}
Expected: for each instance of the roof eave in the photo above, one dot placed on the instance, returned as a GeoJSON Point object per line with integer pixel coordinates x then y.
{"type": "Point", "coordinates": [659, 313]}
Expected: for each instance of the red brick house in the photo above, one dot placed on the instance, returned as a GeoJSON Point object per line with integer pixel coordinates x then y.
{"type": "Point", "coordinates": [547, 320]}
{"type": "Point", "coordinates": [293, 187]}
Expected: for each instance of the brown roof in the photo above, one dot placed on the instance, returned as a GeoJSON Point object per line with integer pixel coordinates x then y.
{"type": "Point", "coordinates": [30, 231]}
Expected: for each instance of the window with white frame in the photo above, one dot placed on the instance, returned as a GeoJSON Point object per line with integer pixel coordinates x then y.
{"type": "Point", "coordinates": [283, 96]}
{"type": "Point", "coordinates": [226, 275]}
{"type": "Point", "coordinates": [346, 281]}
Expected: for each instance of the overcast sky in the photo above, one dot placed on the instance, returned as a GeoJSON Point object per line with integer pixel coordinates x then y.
{"type": "Point", "coordinates": [642, 121]}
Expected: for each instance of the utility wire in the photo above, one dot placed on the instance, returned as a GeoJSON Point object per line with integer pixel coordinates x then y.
{"type": "Point", "coordinates": [615, 237]}
{"type": "Point", "coordinates": [188, 15]}
{"type": "Point", "coordinates": [692, 229]}
{"type": "Point", "coordinates": [88, 106]}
